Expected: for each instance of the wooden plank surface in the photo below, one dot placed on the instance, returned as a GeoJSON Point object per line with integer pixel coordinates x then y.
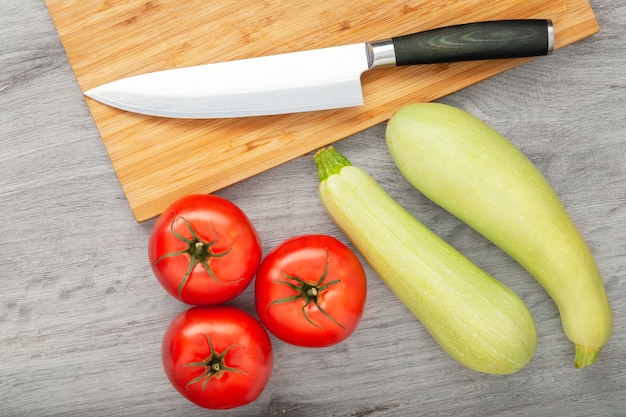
{"type": "Point", "coordinates": [82, 317]}
{"type": "Point", "coordinates": [158, 160]}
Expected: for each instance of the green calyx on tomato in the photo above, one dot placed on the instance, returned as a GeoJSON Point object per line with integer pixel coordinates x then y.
{"type": "Point", "coordinates": [201, 252]}
{"type": "Point", "coordinates": [308, 292]}
{"type": "Point", "coordinates": [214, 366]}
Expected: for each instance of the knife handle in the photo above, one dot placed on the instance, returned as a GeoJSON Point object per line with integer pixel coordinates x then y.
{"type": "Point", "coordinates": [476, 41]}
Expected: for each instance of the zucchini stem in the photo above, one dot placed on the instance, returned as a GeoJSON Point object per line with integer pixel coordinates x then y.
{"type": "Point", "coordinates": [585, 355]}
{"type": "Point", "coordinates": [329, 162]}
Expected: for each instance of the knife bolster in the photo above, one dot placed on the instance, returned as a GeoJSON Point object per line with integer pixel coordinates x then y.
{"type": "Point", "coordinates": [381, 54]}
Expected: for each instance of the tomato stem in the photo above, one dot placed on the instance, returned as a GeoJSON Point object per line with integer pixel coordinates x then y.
{"type": "Point", "coordinates": [214, 365]}
{"type": "Point", "coordinates": [309, 292]}
{"type": "Point", "coordinates": [200, 252]}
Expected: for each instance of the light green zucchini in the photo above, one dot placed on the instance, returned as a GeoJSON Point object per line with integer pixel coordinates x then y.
{"type": "Point", "coordinates": [475, 318]}
{"type": "Point", "coordinates": [472, 171]}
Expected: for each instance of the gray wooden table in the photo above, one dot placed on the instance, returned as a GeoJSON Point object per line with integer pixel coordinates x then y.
{"type": "Point", "coordinates": [81, 316]}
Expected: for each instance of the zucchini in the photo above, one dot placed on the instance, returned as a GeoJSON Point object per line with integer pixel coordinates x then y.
{"type": "Point", "coordinates": [476, 319]}
{"type": "Point", "coordinates": [469, 169]}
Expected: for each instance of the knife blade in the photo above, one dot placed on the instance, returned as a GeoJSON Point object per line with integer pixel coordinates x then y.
{"type": "Point", "coordinates": [319, 79]}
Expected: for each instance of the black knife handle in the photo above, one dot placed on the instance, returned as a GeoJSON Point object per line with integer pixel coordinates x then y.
{"type": "Point", "coordinates": [476, 41]}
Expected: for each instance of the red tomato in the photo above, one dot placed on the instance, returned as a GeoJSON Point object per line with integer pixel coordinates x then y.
{"type": "Point", "coordinates": [217, 357]}
{"type": "Point", "coordinates": [204, 250]}
{"type": "Point", "coordinates": [310, 291]}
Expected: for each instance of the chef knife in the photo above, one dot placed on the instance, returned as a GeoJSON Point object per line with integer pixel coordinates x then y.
{"type": "Point", "coordinates": [317, 79]}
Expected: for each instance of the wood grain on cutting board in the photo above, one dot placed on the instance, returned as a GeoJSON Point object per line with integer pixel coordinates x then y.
{"type": "Point", "coordinates": [159, 160]}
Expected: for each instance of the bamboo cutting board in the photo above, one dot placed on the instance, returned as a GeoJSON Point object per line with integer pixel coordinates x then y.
{"type": "Point", "coordinates": [159, 160]}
